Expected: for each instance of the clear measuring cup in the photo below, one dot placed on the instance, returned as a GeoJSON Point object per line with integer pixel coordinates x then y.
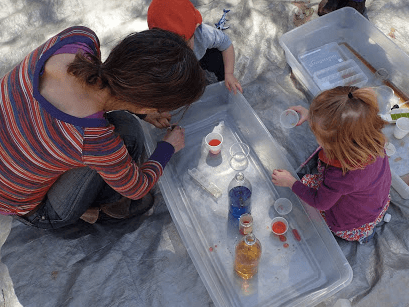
{"type": "Point", "coordinates": [239, 153]}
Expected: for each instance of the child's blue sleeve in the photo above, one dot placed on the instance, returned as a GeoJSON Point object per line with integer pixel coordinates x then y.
{"type": "Point", "coordinates": [207, 37]}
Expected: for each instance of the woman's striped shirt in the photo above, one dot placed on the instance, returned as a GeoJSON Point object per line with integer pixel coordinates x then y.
{"type": "Point", "coordinates": [38, 142]}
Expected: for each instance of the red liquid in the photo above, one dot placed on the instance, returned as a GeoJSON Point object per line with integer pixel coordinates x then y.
{"type": "Point", "coordinates": [214, 142]}
{"type": "Point", "coordinates": [296, 235]}
{"type": "Point", "coordinates": [279, 227]}
{"type": "Point", "coordinates": [282, 238]}
{"type": "Point", "coordinates": [246, 228]}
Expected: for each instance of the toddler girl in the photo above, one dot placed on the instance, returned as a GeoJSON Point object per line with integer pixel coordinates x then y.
{"type": "Point", "coordinates": [352, 186]}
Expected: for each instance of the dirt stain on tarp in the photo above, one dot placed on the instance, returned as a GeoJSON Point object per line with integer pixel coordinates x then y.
{"type": "Point", "coordinates": [54, 275]}
{"type": "Point", "coordinates": [392, 33]}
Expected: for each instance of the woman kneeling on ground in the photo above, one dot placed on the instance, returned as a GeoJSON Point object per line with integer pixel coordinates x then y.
{"type": "Point", "coordinates": [69, 141]}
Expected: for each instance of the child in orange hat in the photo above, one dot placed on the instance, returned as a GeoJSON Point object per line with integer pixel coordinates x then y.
{"type": "Point", "coordinates": [211, 46]}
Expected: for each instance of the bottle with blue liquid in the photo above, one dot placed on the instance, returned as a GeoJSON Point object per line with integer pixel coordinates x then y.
{"type": "Point", "coordinates": [239, 195]}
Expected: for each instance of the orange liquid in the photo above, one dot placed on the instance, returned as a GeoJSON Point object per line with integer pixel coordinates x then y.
{"type": "Point", "coordinates": [214, 142]}
{"type": "Point", "coordinates": [279, 227]}
{"type": "Point", "coordinates": [247, 258]}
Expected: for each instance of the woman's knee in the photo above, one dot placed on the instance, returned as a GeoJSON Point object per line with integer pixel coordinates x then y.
{"type": "Point", "coordinates": [129, 128]}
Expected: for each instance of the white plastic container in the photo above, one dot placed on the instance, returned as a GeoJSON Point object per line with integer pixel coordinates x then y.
{"type": "Point", "coordinates": [400, 186]}
{"type": "Point", "coordinates": [401, 128]}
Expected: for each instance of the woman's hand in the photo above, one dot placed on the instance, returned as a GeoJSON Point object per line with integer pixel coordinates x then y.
{"type": "Point", "coordinates": [159, 120]}
{"type": "Point", "coordinates": [303, 112]}
{"type": "Point", "coordinates": [175, 137]}
{"type": "Point", "coordinates": [232, 84]}
{"type": "Point", "coordinates": [283, 178]}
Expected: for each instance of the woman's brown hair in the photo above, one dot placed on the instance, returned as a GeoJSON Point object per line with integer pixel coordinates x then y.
{"type": "Point", "coordinates": [153, 69]}
{"type": "Point", "coordinates": [345, 121]}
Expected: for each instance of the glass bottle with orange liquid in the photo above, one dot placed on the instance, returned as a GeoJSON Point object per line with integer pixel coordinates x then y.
{"type": "Point", "coordinates": [248, 253]}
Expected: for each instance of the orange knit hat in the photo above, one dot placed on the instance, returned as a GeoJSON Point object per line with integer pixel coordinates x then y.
{"type": "Point", "coordinates": [177, 16]}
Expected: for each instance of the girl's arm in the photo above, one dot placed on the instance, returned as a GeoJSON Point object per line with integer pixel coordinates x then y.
{"type": "Point", "coordinates": [322, 199]}
{"type": "Point", "coordinates": [333, 187]}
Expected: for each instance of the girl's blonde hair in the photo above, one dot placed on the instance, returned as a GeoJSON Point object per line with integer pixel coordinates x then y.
{"type": "Point", "coordinates": [346, 123]}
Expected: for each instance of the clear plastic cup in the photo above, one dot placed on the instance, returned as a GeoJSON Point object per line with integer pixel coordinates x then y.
{"type": "Point", "coordinates": [239, 153]}
{"type": "Point", "coordinates": [283, 206]}
{"type": "Point", "coordinates": [279, 225]}
{"type": "Point", "coordinates": [289, 118]}
{"type": "Point", "coordinates": [386, 98]}
{"type": "Point", "coordinates": [390, 149]}
{"type": "Point", "coordinates": [382, 74]}
{"type": "Point", "coordinates": [401, 128]}
{"type": "Point", "coordinates": [214, 142]}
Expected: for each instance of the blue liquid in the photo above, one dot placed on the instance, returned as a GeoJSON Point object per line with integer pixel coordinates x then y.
{"type": "Point", "coordinates": [239, 200]}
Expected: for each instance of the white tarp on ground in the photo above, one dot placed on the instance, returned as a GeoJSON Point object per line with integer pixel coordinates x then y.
{"type": "Point", "coordinates": [143, 262]}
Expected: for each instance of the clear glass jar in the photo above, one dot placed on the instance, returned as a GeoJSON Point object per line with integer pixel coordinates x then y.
{"type": "Point", "coordinates": [246, 224]}
{"type": "Point", "coordinates": [248, 253]}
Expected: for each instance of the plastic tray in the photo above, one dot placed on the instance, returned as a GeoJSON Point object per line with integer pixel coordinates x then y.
{"type": "Point", "coordinates": [304, 273]}
{"type": "Point", "coordinates": [342, 74]}
{"type": "Point", "coordinates": [322, 57]}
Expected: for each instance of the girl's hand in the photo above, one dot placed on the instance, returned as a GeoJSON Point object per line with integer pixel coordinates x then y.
{"type": "Point", "coordinates": [303, 112]}
{"type": "Point", "coordinates": [175, 137]}
{"type": "Point", "coordinates": [159, 120]}
{"type": "Point", "coordinates": [283, 178]}
{"type": "Point", "coordinates": [232, 84]}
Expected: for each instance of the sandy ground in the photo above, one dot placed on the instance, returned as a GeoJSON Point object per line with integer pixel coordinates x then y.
{"type": "Point", "coordinates": [86, 269]}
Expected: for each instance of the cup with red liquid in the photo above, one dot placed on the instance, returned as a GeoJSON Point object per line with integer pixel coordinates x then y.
{"type": "Point", "coordinates": [214, 142]}
{"type": "Point", "coordinates": [279, 225]}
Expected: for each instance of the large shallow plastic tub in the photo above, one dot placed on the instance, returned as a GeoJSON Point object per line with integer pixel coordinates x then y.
{"type": "Point", "coordinates": [301, 274]}
{"type": "Point", "coordinates": [357, 39]}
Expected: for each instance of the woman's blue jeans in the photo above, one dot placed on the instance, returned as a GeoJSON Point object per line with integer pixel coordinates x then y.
{"type": "Point", "coordinates": [81, 188]}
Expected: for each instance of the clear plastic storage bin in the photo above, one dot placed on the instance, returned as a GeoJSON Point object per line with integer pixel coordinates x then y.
{"type": "Point", "coordinates": [308, 269]}
{"type": "Point", "coordinates": [341, 35]}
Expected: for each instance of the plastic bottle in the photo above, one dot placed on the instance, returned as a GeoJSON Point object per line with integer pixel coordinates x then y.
{"type": "Point", "coordinates": [239, 195]}
{"type": "Point", "coordinates": [248, 253]}
{"type": "Point", "coordinates": [400, 186]}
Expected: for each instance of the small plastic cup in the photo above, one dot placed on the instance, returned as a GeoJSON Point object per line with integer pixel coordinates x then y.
{"type": "Point", "coordinates": [289, 118]}
{"type": "Point", "coordinates": [401, 128]}
{"type": "Point", "coordinates": [382, 74]}
{"type": "Point", "coordinates": [279, 225]}
{"type": "Point", "coordinates": [386, 98]}
{"type": "Point", "coordinates": [239, 153]}
{"type": "Point", "coordinates": [390, 149]}
{"type": "Point", "coordinates": [283, 206]}
{"type": "Point", "coordinates": [214, 142]}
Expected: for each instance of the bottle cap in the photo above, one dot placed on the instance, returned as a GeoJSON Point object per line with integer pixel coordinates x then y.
{"type": "Point", "coordinates": [250, 239]}
{"type": "Point", "coordinates": [240, 176]}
